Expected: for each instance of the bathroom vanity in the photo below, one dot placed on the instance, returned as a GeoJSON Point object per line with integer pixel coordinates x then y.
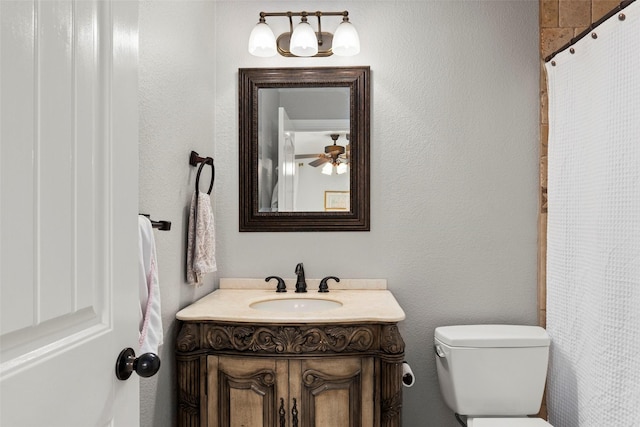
{"type": "Point", "coordinates": [297, 362]}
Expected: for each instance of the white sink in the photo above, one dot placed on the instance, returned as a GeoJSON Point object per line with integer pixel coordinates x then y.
{"type": "Point", "coordinates": [297, 305]}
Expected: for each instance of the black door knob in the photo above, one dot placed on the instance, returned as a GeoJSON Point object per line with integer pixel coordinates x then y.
{"type": "Point", "coordinates": [146, 365]}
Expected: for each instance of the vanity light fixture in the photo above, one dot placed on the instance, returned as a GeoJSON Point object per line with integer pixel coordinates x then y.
{"type": "Point", "coordinates": [303, 40]}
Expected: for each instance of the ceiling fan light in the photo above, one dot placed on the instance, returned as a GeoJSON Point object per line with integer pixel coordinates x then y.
{"type": "Point", "coordinates": [303, 40]}
{"type": "Point", "coordinates": [341, 168]}
{"type": "Point", "coordinates": [262, 42]}
{"type": "Point", "coordinates": [327, 169]}
{"type": "Point", "coordinates": [345, 40]}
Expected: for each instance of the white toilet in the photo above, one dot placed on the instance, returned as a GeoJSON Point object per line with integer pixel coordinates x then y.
{"type": "Point", "coordinates": [493, 375]}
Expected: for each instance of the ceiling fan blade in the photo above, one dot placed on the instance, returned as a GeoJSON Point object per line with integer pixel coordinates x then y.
{"type": "Point", "coordinates": [308, 156]}
{"type": "Point", "coordinates": [319, 162]}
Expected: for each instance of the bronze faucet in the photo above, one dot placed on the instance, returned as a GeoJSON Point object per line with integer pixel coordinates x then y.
{"type": "Point", "coordinates": [301, 284]}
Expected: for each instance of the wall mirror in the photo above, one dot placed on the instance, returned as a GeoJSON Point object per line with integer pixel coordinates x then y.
{"type": "Point", "coordinates": [304, 149]}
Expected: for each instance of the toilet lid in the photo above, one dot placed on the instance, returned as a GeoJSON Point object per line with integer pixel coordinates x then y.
{"type": "Point", "coordinates": [507, 422]}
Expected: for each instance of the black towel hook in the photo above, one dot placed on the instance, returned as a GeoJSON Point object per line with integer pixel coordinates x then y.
{"type": "Point", "coordinates": [194, 159]}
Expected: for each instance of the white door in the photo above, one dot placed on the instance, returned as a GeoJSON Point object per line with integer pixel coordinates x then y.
{"type": "Point", "coordinates": [68, 214]}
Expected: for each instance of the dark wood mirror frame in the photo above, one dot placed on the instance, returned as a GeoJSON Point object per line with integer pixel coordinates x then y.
{"type": "Point", "coordinates": [357, 79]}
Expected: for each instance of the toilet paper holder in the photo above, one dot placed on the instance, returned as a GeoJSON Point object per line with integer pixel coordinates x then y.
{"type": "Point", "coordinates": [408, 379]}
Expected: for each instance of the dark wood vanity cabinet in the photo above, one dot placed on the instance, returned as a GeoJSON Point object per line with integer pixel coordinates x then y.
{"type": "Point", "coordinates": [239, 375]}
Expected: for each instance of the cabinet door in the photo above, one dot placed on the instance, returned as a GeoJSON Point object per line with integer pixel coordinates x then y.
{"type": "Point", "coordinates": [246, 392]}
{"type": "Point", "coordinates": [336, 392]}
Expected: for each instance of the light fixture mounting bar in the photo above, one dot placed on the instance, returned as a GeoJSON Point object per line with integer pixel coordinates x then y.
{"type": "Point", "coordinates": [303, 13]}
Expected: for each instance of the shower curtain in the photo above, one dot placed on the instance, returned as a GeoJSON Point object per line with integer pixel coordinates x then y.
{"type": "Point", "coordinates": [593, 248]}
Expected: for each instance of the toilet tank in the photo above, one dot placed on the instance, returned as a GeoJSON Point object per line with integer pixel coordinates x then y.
{"type": "Point", "coordinates": [492, 370]}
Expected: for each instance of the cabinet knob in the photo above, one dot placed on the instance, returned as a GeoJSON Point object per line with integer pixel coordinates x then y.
{"type": "Point", "coordinates": [146, 365]}
{"type": "Point", "coordinates": [294, 413]}
{"type": "Point", "coordinates": [283, 413]}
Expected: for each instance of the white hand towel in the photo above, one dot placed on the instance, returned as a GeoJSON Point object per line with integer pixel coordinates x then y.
{"type": "Point", "coordinates": [201, 251]}
{"type": "Point", "coordinates": [151, 333]}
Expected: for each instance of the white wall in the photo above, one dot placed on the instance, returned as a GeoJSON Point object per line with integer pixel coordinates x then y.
{"type": "Point", "coordinates": [454, 182]}
{"type": "Point", "coordinates": [177, 102]}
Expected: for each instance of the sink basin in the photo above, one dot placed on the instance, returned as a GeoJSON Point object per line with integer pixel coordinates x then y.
{"type": "Point", "coordinates": [298, 305]}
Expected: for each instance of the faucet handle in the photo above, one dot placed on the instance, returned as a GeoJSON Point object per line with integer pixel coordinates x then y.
{"type": "Point", "coordinates": [323, 283]}
{"type": "Point", "coordinates": [281, 286]}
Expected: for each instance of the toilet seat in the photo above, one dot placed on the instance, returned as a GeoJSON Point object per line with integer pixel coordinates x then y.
{"type": "Point", "coordinates": [507, 422]}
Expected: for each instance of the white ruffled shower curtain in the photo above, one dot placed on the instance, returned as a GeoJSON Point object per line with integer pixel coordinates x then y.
{"type": "Point", "coordinates": [593, 247]}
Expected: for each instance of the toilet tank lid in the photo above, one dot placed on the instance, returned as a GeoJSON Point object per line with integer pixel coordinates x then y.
{"type": "Point", "coordinates": [492, 336]}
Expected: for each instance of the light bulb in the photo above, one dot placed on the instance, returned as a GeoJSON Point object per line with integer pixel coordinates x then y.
{"type": "Point", "coordinates": [262, 42]}
{"type": "Point", "coordinates": [303, 40]}
{"type": "Point", "coordinates": [341, 168]}
{"type": "Point", "coordinates": [345, 40]}
{"type": "Point", "coordinates": [327, 169]}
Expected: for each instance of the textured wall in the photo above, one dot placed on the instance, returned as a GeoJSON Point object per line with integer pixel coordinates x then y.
{"type": "Point", "coordinates": [454, 149]}
{"type": "Point", "coordinates": [177, 101]}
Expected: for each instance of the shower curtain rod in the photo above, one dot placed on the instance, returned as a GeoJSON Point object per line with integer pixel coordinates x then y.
{"type": "Point", "coordinates": [574, 40]}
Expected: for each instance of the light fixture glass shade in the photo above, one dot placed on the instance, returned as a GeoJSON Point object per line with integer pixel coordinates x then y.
{"type": "Point", "coordinates": [327, 169]}
{"type": "Point", "coordinates": [345, 40]}
{"type": "Point", "coordinates": [303, 40]}
{"type": "Point", "coordinates": [341, 168]}
{"type": "Point", "coordinates": [262, 42]}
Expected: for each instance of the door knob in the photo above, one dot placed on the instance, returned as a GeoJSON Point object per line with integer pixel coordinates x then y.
{"type": "Point", "coordinates": [146, 365]}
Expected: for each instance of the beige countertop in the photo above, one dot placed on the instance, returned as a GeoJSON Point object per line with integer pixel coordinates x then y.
{"type": "Point", "coordinates": [233, 303]}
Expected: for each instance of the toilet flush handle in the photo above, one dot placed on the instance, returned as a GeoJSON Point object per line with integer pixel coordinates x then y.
{"type": "Point", "coordinates": [439, 351]}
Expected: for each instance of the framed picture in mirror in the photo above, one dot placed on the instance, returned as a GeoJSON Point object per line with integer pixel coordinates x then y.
{"type": "Point", "coordinates": [336, 201]}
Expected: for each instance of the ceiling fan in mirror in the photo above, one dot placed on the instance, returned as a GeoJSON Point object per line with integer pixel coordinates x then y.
{"type": "Point", "coordinates": [334, 156]}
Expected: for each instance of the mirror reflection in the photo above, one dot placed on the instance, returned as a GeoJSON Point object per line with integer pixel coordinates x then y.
{"type": "Point", "coordinates": [303, 149]}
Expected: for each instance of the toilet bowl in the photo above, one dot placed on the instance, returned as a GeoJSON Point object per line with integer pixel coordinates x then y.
{"type": "Point", "coordinates": [493, 375]}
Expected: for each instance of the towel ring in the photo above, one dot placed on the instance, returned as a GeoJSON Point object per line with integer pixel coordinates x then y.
{"type": "Point", "coordinates": [207, 161]}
